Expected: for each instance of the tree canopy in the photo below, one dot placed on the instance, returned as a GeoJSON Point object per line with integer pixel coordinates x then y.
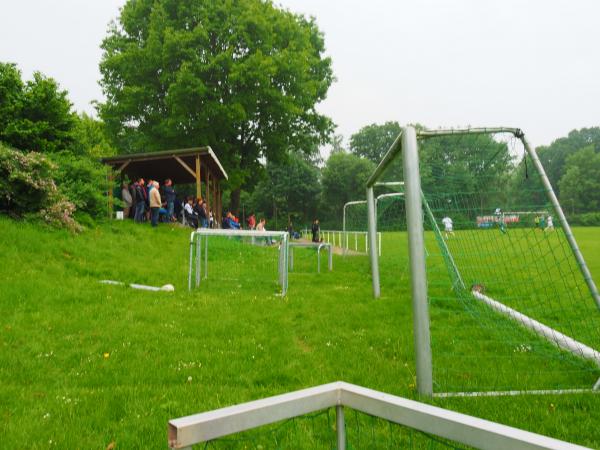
{"type": "Point", "coordinates": [34, 115]}
{"type": "Point", "coordinates": [373, 141]}
{"type": "Point", "coordinates": [242, 76]}
{"type": "Point", "coordinates": [344, 179]}
{"type": "Point", "coordinates": [580, 185]}
{"type": "Point", "coordinates": [290, 189]}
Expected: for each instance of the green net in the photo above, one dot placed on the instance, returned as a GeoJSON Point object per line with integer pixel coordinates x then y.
{"type": "Point", "coordinates": [499, 266]}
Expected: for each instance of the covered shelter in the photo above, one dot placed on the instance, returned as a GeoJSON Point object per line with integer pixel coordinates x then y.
{"type": "Point", "coordinates": [197, 165]}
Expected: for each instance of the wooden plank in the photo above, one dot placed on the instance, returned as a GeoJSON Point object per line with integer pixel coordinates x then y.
{"type": "Point", "coordinates": [125, 164]}
{"type": "Point", "coordinates": [198, 179]}
{"type": "Point", "coordinates": [109, 179]}
{"type": "Point", "coordinates": [185, 166]}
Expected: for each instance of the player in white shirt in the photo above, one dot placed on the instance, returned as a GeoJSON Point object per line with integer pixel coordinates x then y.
{"type": "Point", "coordinates": [448, 226]}
{"type": "Point", "coordinates": [549, 224]}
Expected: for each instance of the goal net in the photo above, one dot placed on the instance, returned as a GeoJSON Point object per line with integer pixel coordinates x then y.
{"type": "Point", "coordinates": [502, 298]}
{"type": "Point", "coordinates": [226, 261]}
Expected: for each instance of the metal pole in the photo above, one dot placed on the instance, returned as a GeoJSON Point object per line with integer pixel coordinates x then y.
{"type": "Point", "coordinates": [340, 427]}
{"type": "Point", "coordinates": [319, 259]}
{"type": "Point", "coordinates": [330, 259]}
{"type": "Point", "coordinates": [286, 249]}
{"type": "Point", "coordinates": [414, 220]}
{"type": "Point", "coordinates": [191, 262]}
{"type": "Point", "coordinates": [206, 258]}
{"type": "Point", "coordinates": [344, 229]}
{"type": "Point", "coordinates": [379, 241]}
{"type": "Point", "coordinates": [563, 220]}
{"type": "Point", "coordinates": [372, 239]}
{"type": "Point", "coordinates": [198, 259]}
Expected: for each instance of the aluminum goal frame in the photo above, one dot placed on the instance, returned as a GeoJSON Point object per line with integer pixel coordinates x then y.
{"type": "Point", "coordinates": [406, 146]}
{"type": "Point", "coordinates": [202, 234]}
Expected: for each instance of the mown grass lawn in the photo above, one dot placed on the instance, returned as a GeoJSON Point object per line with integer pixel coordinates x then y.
{"type": "Point", "coordinates": [83, 365]}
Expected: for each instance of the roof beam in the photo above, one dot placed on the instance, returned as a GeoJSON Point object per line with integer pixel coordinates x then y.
{"type": "Point", "coordinates": [185, 166]}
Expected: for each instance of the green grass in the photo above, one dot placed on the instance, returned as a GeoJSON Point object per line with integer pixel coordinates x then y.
{"type": "Point", "coordinates": [232, 340]}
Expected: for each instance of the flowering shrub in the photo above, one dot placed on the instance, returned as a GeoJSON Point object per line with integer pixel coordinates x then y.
{"type": "Point", "coordinates": [27, 189]}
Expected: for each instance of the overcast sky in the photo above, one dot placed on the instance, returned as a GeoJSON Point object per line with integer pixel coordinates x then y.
{"type": "Point", "coordinates": [533, 64]}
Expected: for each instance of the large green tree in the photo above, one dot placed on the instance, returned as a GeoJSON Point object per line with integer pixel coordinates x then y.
{"type": "Point", "coordinates": [554, 156]}
{"type": "Point", "coordinates": [290, 189]}
{"type": "Point", "coordinates": [343, 179]}
{"type": "Point", "coordinates": [89, 138]}
{"type": "Point", "coordinates": [242, 76]}
{"type": "Point", "coordinates": [373, 141]}
{"type": "Point", "coordinates": [580, 185]}
{"type": "Point", "coordinates": [34, 115]}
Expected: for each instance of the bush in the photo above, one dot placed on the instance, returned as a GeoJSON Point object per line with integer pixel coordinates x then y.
{"type": "Point", "coordinates": [27, 189]}
{"type": "Point", "coordinates": [591, 219]}
{"type": "Point", "coordinates": [83, 181]}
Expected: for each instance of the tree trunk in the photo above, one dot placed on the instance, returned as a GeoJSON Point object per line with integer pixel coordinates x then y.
{"type": "Point", "coordinates": [234, 199]}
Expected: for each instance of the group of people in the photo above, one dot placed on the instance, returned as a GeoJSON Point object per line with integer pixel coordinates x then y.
{"type": "Point", "coordinates": [544, 223]}
{"type": "Point", "coordinates": [150, 202]}
{"type": "Point", "coordinates": [197, 214]}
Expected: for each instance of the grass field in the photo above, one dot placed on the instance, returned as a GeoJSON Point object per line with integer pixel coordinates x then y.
{"type": "Point", "coordinates": [84, 365]}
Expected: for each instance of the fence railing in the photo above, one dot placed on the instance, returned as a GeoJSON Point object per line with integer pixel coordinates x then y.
{"type": "Point", "coordinates": [350, 240]}
{"type": "Point", "coordinates": [460, 428]}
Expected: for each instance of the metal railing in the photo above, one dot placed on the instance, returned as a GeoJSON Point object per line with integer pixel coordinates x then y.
{"type": "Point", "coordinates": [461, 428]}
{"type": "Point", "coordinates": [350, 240]}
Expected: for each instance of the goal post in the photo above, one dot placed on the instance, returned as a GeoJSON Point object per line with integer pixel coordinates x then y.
{"type": "Point", "coordinates": [537, 281]}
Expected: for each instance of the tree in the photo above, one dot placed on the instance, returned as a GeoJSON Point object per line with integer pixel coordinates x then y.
{"type": "Point", "coordinates": [35, 115]}
{"type": "Point", "coordinates": [242, 76]}
{"type": "Point", "coordinates": [554, 156]}
{"type": "Point", "coordinates": [344, 178]}
{"type": "Point", "coordinates": [373, 141]}
{"type": "Point", "coordinates": [290, 189]}
{"type": "Point", "coordinates": [89, 138]}
{"type": "Point", "coordinates": [580, 185]}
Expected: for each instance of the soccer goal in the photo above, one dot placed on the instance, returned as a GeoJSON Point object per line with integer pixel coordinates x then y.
{"type": "Point", "coordinates": [501, 304]}
{"type": "Point", "coordinates": [232, 252]}
{"type": "Point", "coordinates": [389, 207]}
{"type": "Point", "coordinates": [345, 416]}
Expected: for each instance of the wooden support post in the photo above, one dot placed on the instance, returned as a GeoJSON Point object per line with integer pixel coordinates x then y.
{"type": "Point", "coordinates": [207, 192]}
{"type": "Point", "coordinates": [219, 204]}
{"type": "Point", "coordinates": [109, 179]}
{"type": "Point", "coordinates": [214, 198]}
{"type": "Point", "coordinates": [198, 179]}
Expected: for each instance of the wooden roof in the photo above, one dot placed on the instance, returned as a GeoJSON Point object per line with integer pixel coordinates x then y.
{"type": "Point", "coordinates": [169, 164]}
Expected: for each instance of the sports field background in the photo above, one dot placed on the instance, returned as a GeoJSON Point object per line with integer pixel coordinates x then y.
{"type": "Point", "coordinates": [84, 365]}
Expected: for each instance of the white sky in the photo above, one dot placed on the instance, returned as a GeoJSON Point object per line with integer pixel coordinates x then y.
{"type": "Point", "coordinates": [528, 63]}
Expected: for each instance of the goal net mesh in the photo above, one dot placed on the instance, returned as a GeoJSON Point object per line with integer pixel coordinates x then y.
{"type": "Point", "coordinates": [491, 233]}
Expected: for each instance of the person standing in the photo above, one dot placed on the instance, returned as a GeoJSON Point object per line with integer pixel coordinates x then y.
{"type": "Point", "coordinates": [200, 212]}
{"type": "Point", "coordinates": [170, 196]}
{"type": "Point", "coordinates": [448, 226]}
{"type": "Point", "coordinates": [155, 204]}
{"type": "Point", "coordinates": [127, 200]}
{"type": "Point", "coordinates": [251, 222]}
{"type": "Point", "coordinates": [140, 200]}
{"type": "Point", "coordinates": [316, 231]}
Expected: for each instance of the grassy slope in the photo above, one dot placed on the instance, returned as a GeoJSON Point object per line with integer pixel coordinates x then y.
{"type": "Point", "coordinates": [235, 339]}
